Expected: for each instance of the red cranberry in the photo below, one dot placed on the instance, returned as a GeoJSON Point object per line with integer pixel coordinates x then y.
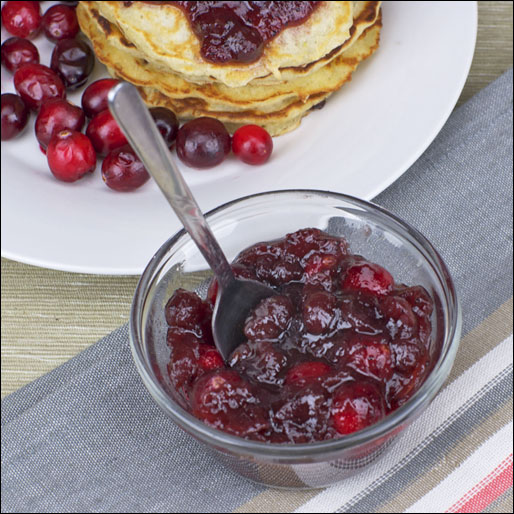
{"type": "Point", "coordinates": [260, 361]}
{"type": "Point", "coordinates": [17, 51]}
{"type": "Point", "coordinates": [370, 278]}
{"type": "Point", "coordinates": [21, 19]}
{"type": "Point", "coordinates": [203, 143]}
{"type": "Point", "coordinates": [355, 406]}
{"type": "Point", "coordinates": [303, 417]}
{"type": "Point", "coordinates": [369, 356]}
{"type": "Point", "coordinates": [36, 83]}
{"type": "Point", "coordinates": [211, 360]}
{"type": "Point", "coordinates": [319, 312]}
{"type": "Point", "coordinates": [70, 155]}
{"type": "Point", "coordinates": [302, 242]}
{"type": "Point", "coordinates": [105, 133]}
{"type": "Point", "coordinates": [419, 300]}
{"type": "Point", "coordinates": [94, 98]}
{"type": "Point", "coordinates": [306, 372]}
{"type": "Point", "coordinates": [60, 22]}
{"type": "Point", "coordinates": [56, 115]}
{"type": "Point", "coordinates": [319, 263]}
{"type": "Point", "coordinates": [252, 144]}
{"type": "Point", "coordinates": [122, 170]}
{"type": "Point", "coordinates": [269, 319]}
{"type": "Point", "coordinates": [183, 367]}
{"type": "Point", "coordinates": [167, 124]}
{"type": "Point", "coordinates": [14, 116]}
{"type": "Point", "coordinates": [73, 60]}
{"type": "Point", "coordinates": [401, 320]}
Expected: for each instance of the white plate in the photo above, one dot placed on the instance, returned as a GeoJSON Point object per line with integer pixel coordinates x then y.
{"type": "Point", "coordinates": [367, 135]}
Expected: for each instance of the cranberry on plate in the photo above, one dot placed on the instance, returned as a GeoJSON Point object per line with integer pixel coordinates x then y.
{"type": "Point", "coordinates": [70, 155]}
{"type": "Point", "coordinates": [252, 144]}
{"type": "Point", "coordinates": [203, 143]}
{"type": "Point", "coordinates": [73, 60]}
{"type": "Point", "coordinates": [334, 351]}
{"type": "Point", "coordinates": [36, 83]}
{"type": "Point", "coordinates": [22, 19]}
{"type": "Point", "coordinates": [55, 115]}
{"type": "Point", "coordinates": [122, 170]}
{"type": "Point", "coordinates": [15, 115]}
{"type": "Point", "coordinates": [167, 124]}
{"type": "Point", "coordinates": [60, 22]}
{"type": "Point", "coordinates": [94, 98]}
{"type": "Point", "coordinates": [105, 133]}
{"type": "Point", "coordinates": [17, 51]}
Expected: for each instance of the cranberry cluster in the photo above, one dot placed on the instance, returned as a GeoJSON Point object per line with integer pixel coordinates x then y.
{"type": "Point", "coordinates": [201, 143]}
{"type": "Point", "coordinates": [336, 349]}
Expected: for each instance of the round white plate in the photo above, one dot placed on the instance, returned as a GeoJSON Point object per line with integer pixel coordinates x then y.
{"type": "Point", "coordinates": [365, 137]}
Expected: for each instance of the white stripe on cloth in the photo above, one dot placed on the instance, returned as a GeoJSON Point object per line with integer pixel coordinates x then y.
{"type": "Point", "coordinates": [474, 469]}
{"type": "Point", "coordinates": [420, 433]}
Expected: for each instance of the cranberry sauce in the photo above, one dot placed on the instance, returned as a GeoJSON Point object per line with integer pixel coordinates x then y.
{"type": "Point", "coordinates": [238, 31]}
{"type": "Point", "coordinates": [335, 350]}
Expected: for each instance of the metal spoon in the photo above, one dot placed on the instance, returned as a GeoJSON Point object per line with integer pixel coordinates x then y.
{"type": "Point", "coordinates": [236, 297]}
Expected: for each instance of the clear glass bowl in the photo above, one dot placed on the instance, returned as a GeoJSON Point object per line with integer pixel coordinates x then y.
{"type": "Point", "coordinates": [371, 231]}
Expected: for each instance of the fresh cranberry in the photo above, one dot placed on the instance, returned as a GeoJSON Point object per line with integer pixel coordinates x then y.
{"type": "Point", "coordinates": [252, 144]}
{"type": "Point", "coordinates": [370, 356]}
{"type": "Point", "coordinates": [60, 22]}
{"type": "Point", "coordinates": [94, 98]}
{"type": "Point", "coordinates": [105, 133]}
{"type": "Point", "coordinates": [14, 116]}
{"type": "Point", "coordinates": [319, 312]}
{"type": "Point", "coordinates": [211, 360]}
{"type": "Point", "coordinates": [369, 278]}
{"type": "Point", "coordinates": [306, 372]}
{"type": "Point", "coordinates": [187, 310]}
{"type": "Point", "coordinates": [167, 124]}
{"type": "Point", "coordinates": [17, 51]}
{"type": "Point", "coordinates": [355, 406]}
{"type": "Point", "coordinates": [203, 143]}
{"type": "Point", "coordinates": [70, 155]}
{"type": "Point", "coordinates": [122, 169]}
{"type": "Point", "coordinates": [304, 415]}
{"type": "Point", "coordinates": [73, 60]}
{"type": "Point", "coordinates": [22, 19]}
{"type": "Point", "coordinates": [56, 115]}
{"type": "Point", "coordinates": [260, 361]}
{"type": "Point", "coordinates": [269, 319]}
{"type": "Point", "coordinates": [36, 84]}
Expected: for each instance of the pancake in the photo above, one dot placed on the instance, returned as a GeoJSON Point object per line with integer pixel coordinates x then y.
{"type": "Point", "coordinates": [113, 50]}
{"type": "Point", "coordinates": [164, 36]}
{"type": "Point", "coordinates": [275, 122]}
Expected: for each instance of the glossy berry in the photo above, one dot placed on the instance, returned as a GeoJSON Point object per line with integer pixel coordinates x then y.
{"type": "Point", "coordinates": [56, 115]}
{"type": "Point", "coordinates": [371, 357]}
{"type": "Point", "coordinates": [211, 360]}
{"type": "Point", "coordinates": [203, 143]}
{"type": "Point", "coordinates": [105, 133]}
{"type": "Point", "coordinates": [319, 312]}
{"type": "Point", "coordinates": [167, 124]}
{"type": "Point", "coordinates": [369, 278]}
{"type": "Point", "coordinates": [73, 60]}
{"type": "Point", "coordinates": [22, 19]}
{"type": "Point", "coordinates": [355, 406]}
{"type": "Point", "coordinates": [60, 22]}
{"type": "Point", "coordinates": [269, 319]}
{"type": "Point", "coordinates": [252, 144]}
{"type": "Point", "coordinates": [122, 169]}
{"type": "Point", "coordinates": [17, 51]}
{"type": "Point", "coordinates": [94, 98]}
{"type": "Point", "coordinates": [15, 115]}
{"type": "Point", "coordinates": [306, 372]}
{"type": "Point", "coordinates": [401, 320]}
{"type": "Point", "coordinates": [185, 309]}
{"type": "Point", "coordinates": [36, 84]}
{"type": "Point", "coordinates": [70, 155]}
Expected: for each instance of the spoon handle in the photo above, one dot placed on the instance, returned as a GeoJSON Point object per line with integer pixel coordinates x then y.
{"type": "Point", "coordinates": [133, 117]}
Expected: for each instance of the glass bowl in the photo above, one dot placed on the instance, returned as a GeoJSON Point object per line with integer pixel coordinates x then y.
{"type": "Point", "coordinates": [372, 232]}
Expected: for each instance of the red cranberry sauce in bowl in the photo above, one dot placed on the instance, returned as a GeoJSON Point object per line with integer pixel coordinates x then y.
{"type": "Point", "coordinates": [339, 347]}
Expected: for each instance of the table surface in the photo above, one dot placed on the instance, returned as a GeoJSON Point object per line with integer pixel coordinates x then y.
{"type": "Point", "coordinates": [49, 316]}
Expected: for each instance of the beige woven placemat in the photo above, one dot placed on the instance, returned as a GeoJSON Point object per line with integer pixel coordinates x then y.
{"type": "Point", "coordinates": [49, 316]}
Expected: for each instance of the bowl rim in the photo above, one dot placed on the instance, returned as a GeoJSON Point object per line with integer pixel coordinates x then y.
{"type": "Point", "coordinates": [290, 452]}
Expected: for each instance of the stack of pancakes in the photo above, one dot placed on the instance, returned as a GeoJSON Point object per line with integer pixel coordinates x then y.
{"type": "Point", "coordinates": [154, 47]}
